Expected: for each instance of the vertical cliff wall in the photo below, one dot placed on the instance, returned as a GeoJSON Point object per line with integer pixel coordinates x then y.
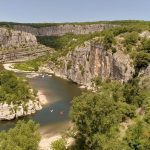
{"type": "Point", "coordinates": [10, 38]}
{"type": "Point", "coordinates": [19, 46]}
{"type": "Point", "coordinates": [90, 61]}
{"type": "Point", "coordinates": [59, 30]}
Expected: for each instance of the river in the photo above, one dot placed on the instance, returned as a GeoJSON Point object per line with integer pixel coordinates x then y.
{"type": "Point", "coordinates": [59, 94]}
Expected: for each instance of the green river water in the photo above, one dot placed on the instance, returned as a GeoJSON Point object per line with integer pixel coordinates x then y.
{"type": "Point", "coordinates": [59, 94]}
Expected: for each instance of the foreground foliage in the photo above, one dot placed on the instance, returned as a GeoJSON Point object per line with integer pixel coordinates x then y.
{"type": "Point", "coordinates": [24, 136]}
{"type": "Point", "coordinates": [98, 116]}
{"type": "Point", "coordinates": [58, 145]}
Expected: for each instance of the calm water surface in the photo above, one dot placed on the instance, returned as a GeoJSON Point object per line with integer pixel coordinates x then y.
{"type": "Point", "coordinates": [59, 93]}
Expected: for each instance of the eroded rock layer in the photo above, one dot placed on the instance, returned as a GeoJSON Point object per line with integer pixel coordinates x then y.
{"type": "Point", "coordinates": [59, 30]}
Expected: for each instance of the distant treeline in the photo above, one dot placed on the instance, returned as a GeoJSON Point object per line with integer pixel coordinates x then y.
{"type": "Point", "coordinates": [38, 25]}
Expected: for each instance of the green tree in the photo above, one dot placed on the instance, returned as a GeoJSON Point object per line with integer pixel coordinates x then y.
{"type": "Point", "coordinates": [96, 115]}
{"type": "Point", "coordinates": [138, 136]}
{"type": "Point", "coordinates": [13, 89]}
{"type": "Point", "coordinates": [131, 38]}
{"type": "Point", "coordinates": [146, 45]}
{"type": "Point", "coordinates": [108, 39]}
{"type": "Point", "coordinates": [24, 136]}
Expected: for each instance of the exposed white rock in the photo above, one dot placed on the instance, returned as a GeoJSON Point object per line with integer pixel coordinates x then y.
{"type": "Point", "coordinates": [10, 111]}
{"type": "Point", "coordinates": [145, 34]}
{"type": "Point", "coordinates": [10, 38]}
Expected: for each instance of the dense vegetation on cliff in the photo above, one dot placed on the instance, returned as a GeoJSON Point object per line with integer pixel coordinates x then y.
{"type": "Point", "coordinates": [24, 136]}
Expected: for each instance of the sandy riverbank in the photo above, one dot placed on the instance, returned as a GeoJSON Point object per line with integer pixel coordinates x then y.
{"type": "Point", "coordinates": [45, 143]}
{"type": "Point", "coordinates": [10, 67]}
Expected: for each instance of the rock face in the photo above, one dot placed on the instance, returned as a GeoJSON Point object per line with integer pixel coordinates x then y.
{"type": "Point", "coordinates": [90, 61]}
{"type": "Point", "coordinates": [144, 75]}
{"type": "Point", "coordinates": [21, 54]}
{"type": "Point", "coordinates": [19, 46]}
{"type": "Point", "coordinates": [11, 38]}
{"type": "Point", "coordinates": [59, 30]}
{"type": "Point", "coordinates": [9, 112]}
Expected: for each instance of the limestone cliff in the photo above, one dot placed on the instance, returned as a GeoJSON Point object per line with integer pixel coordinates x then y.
{"type": "Point", "coordinates": [11, 38]}
{"type": "Point", "coordinates": [59, 30]}
{"type": "Point", "coordinates": [90, 61]}
{"type": "Point", "coordinates": [19, 46]}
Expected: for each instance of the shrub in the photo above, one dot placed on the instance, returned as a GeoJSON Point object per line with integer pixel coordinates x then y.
{"type": "Point", "coordinates": [141, 60]}
{"type": "Point", "coordinates": [13, 89]}
{"type": "Point", "coordinates": [131, 38]}
{"type": "Point", "coordinates": [108, 40]}
{"type": "Point", "coordinates": [58, 145]}
{"type": "Point", "coordinates": [113, 49]}
{"type": "Point", "coordinates": [146, 45]}
{"type": "Point", "coordinates": [69, 64]}
{"type": "Point", "coordinates": [24, 136]}
{"type": "Point", "coordinates": [81, 69]}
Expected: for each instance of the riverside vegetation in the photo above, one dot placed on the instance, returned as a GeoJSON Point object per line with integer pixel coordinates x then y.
{"type": "Point", "coordinates": [25, 134]}
{"type": "Point", "coordinates": [13, 89]}
{"type": "Point", "coordinates": [116, 115]}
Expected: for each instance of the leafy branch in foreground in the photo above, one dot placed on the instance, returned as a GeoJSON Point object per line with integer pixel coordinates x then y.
{"type": "Point", "coordinates": [24, 136]}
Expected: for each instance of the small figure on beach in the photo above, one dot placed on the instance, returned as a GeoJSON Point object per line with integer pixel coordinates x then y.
{"type": "Point", "coordinates": [61, 113]}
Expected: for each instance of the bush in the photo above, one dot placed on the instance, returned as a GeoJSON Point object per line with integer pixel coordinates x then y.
{"type": "Point", "coordinates": [113, 49]}
{"type": "Point", "coordinates": [131, 38]}
{"type": "Point", "coordinates": [138, 136]}
{"type": "Point", "coordinates": [146, 45]}
{"type": "Point", "coordinates": [142, 60]}
{"type": "Point", "coordinates": [58, 145]}
{"type": "Point", "coordinates": [81, 68]}
{"type": "Point", "coordinates": [108, 40]}
{"type": "Point", "coordinates": [69, 65]}
{"type": "Point", "coordinates": [24, 136]}
{"type": "Point", "coordinates": [12, 89]}
{"type": "Point", "coordinates": [96, 115]}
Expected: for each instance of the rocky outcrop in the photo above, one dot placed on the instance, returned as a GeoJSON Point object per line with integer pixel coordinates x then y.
{"type": "Point", "coordinates": [11, 38]}
{"type": "Point", "coordinates": [90, 61]}
{"type": "Point", "coordinates": [59, 30]}
{"type": "Point", "coordinates": [144, 75]}
{"type": "Point", "coordinates": [9, 112]}
{"type": "Point", "coordinates": [145, 34]}
{"type": "Point", "coordinates": [19, 46]}
{"type": "Point", "coordinates": [23, 54]}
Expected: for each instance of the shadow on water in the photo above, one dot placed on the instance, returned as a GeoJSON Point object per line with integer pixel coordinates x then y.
{"type": "Point", "coordinates": [59, 94]}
